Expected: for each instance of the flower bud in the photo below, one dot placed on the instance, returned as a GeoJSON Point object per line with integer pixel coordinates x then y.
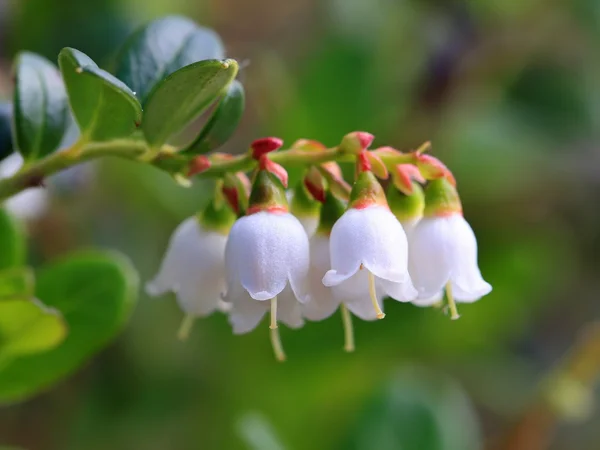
{"type": "Point", "coordinates": [356, 142]}
{"type": "Point", "coordinates": [198, 165]}
{"type": "Point", "coordinates": [263, 146]}
{"type": "Point", "coordinates": [432, 168]}
{"type": "Point", "coordinates": [403, 177]}
{"type": "Point", "coordinates": [308, 145]}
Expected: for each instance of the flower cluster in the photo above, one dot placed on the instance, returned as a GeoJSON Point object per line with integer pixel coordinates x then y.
{"type": "Point", "coordinates": [323, 245]}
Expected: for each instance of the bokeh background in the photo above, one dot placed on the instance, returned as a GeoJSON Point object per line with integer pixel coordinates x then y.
{"type": "Point", "coordinates": [509, 94]}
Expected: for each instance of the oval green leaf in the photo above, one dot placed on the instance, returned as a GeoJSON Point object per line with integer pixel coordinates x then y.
{"type": "Point", "coordinates": [184, 95]}
{"type": "Point", "coordinates": [222, 123]}
{"type": "Point", "coordinates": [28, 327]}
{"type": "Point", "coordinates": [6, 146]}
{"type": "Point", "coordinates": [160, 48]}
{"type": "Point", "coordinates": [95, 292]}
{"type": "Point", "coordinates": [40, 106]}
{"type": "Point", "coordinates": [103, 106]}
{"type": "Point", "coordinates": [12, 242]}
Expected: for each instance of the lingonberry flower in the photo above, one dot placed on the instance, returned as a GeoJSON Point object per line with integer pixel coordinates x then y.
{"type": "Point", "coordinates": [443, 249]}
{"type": "Point", "coordinates": [194, 264]}
{"type": "Point", "coordinates": [266, 252]}
{"type": "Point", "coordinates": [368, 240]}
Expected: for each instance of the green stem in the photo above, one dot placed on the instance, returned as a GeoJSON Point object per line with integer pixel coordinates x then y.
{"type": "Point", "coordinates": [32, 174]}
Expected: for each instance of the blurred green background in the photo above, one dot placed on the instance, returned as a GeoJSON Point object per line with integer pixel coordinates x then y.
{"type": "Point", "coordinates": [509, 94]}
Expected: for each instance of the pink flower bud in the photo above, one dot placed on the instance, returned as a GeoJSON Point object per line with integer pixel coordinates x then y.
{"type": "Point", "coordinates": [315, 184]}
{"type": "Point", "coordinates": [432, 168]}
{"type": "Point", "coordinates": [264, 163]}
{"type": "Point", "coordinates": [198, 165]}
{"type": "Point", "coordinates": [263, 146]}
{"type": "Point", "coordinates": [356, 142]}
{"type": "Point", "coordinates": [404, 174]}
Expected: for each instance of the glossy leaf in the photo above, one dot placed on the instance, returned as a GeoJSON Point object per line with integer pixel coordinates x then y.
{"type": "Point", "coordinates": [160, 48]}
{"type": "Point", "coordinates": [28, 327]}
{"type": "Point", "coordinates": [12, 242]}
{"type": "Point", "coordinates": [103, 106]}
{"type": "Point", "coordinates": [40, 106]}
{"type": "Point", "coordinates": [95, 292]}
{"type": "Point", "coordinates": [183, 95]}
{"type": "Point", "coordinates": [222, 123]}
{"type": "Point", "coordinates": [6, 146]}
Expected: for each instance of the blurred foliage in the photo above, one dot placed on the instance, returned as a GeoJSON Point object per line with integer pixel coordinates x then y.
{"type": "Point", "coordinates": [507, 91]}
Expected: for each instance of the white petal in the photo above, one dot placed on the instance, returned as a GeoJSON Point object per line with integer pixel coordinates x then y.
{"type": "Point", "coordinates": [265, 250]}
{"type": "Point", "coordinates": [289, 309]}
{"type": "Point", "coordinates": [363, 308]}
{"type": "Point", "coordinates": [467, 282]}
{"type": "Point", "coordinates": [430, 259]}
{"type": "Point", "coordinates": [372, 237]}
{"type": "Point", "coordinates": [402, 292]}
{"type": "Point", "coordinates": [193, 268]}
{"type": "Point", "coordinates": [427, 302]}
{"type": "Point", "coordinates": [310, 224]}
{"type": "Point", "coordinates": [322, 303]}
{"type": "Point", "coordinates": [246, 312]}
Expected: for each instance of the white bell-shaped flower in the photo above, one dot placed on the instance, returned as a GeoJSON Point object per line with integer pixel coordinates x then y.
{"type": "Point", "coordinates": [368, 247]}
{"type": "Point", "coordinates": [443, 250]}
{"type": "Point", "coordinates": [28, 204]}
{"type": "Point", "coordinates": [267, 261]}
{"type": "Point", "coordinates": [194, 264]}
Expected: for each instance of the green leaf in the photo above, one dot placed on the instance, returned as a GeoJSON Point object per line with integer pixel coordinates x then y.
{"type": "Point", "coordinates": [28, 327]}
{"type": "Point", "coordinates": [6, 146]}
{"type": "Point", "coordinates": [183, 95]}
{"type": "Point", "coordinates": [222, 123]}
{"type": "Point", "coordinates": [40, 106]}
{"type": "Point", "coordinates": [95, 292]}
{"type": "Point", "coordinates": [103, 106]}
{"type": "Point", "coordinates": [17, 282]}
{"type": "Point", "coordinates": [12, 242]}
{"type": "Point", "coordinates": [160, 48]}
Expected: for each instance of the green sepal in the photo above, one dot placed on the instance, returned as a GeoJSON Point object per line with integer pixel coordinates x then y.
{"type": "Point", "coordinates": [332, 209]}
{"type": "Point", "coordinates": [217, 217]}
{"type": "Point", "coordinates": [367, 191]}
{"type": "Point", "coordinates": [406, 207]}
{"type": "Point", "coordinates": [441, 199]}
{"type": "Point", "coordinates": [267, 193]}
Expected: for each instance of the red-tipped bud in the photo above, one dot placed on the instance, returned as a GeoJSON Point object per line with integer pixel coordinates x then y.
{"type": "Point", "coordinates": [231, 194]}
{"type": "Point", "coordinates": [363, 163]}
{"type": "Point", "coordinates": [403, 177]}
{"type": "Point", "coordinates": [308, 145]}
{"type": "Point", "coordinates": [377, 165]}
{"type": "Point", "coordinates": [432, 168]}
{"type": "Point", "coordinates": [333, 174]}
{"type": "Point", "coordinates": [198, 165]}
{"type": "Point", "coordinates": [333, 169]}
{"type": "Point", "coordinates": [263, 146]}
{"type": "Point", "coordinates": [315, 184]}
{"type": "Point", "coordinates": [264, 163]}
{"type": "Point", "coordinates": [356, 142]}
{"type": "Point", "coordinates": [236, 190]}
